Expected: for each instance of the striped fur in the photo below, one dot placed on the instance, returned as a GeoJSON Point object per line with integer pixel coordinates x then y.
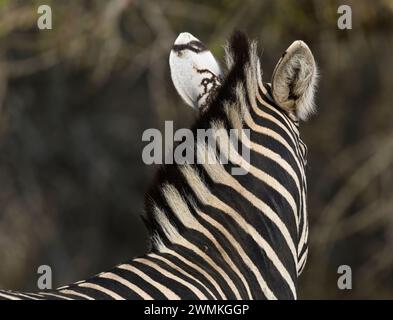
{"type": "Point", "coordinates": [215, 235]}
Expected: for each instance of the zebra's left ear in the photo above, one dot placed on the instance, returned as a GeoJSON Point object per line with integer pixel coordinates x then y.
{"type": "Point", "coordinates": [294, 80]}
{"type": "Point", "coordinates": [194, 71]}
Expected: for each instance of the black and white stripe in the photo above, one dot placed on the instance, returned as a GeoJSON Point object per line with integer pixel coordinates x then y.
{"type": "Point", "coordinates": [215, 235]}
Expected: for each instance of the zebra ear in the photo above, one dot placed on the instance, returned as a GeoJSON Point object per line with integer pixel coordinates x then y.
{"type": "Point", "coordinates": [294, 81]}
{"type": "Point", "coordinates": [194, 71]}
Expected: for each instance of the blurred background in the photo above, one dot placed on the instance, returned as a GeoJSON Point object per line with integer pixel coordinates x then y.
{"type": "Point", "coordinates": [75, 100]}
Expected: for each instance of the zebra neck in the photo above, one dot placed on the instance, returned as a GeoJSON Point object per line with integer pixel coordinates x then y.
{"type": "Point", "coordinates": [248, 221]}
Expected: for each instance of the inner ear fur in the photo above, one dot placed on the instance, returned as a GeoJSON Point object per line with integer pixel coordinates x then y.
{"type": "Point", "coordinates": [294, 80]}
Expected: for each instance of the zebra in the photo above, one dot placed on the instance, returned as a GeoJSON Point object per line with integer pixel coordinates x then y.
{"type": "Point", "coordinates": [215, 235]}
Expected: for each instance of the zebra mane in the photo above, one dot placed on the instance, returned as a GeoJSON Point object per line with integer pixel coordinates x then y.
{"type": "Point", "coordinates": [241, 77]}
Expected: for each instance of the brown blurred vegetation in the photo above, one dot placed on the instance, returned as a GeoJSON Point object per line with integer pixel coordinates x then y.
{"type": "Point", "coordinates": [76, 99]}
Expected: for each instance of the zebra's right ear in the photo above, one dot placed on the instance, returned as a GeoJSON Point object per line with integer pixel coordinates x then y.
{"type": "Point", "coordinates": [294, 81]}
{"type": "Point", "coordinates": [195, 72]}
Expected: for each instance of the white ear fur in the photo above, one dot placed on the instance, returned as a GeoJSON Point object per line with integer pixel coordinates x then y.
{"type": "Point", "coordinates": [195, 72]}
{"type": "Point", "coordinates": [294, 80]}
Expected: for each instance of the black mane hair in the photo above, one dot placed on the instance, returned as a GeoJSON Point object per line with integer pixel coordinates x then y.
{"type": "Point", "coordinates": [238, 53]}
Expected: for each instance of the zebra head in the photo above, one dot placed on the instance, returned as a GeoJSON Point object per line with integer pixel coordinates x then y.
{"type": "Point", "coordinates": [196, 75]}
{"type": "Point", "coordinates": [217, 235]}
{"type": "Point", "coordinates": [276, 184]}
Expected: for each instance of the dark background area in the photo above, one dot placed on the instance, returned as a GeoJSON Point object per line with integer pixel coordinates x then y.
{"type": "Point", "coordinates": [75, 100]}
